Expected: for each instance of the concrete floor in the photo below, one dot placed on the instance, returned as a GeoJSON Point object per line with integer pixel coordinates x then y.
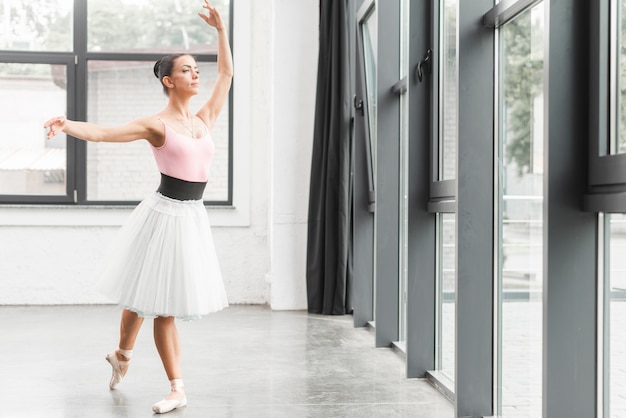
{"type": "Point", "coordinates": [245, 361]}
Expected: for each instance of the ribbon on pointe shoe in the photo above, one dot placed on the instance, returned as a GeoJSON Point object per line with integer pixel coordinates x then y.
{"type": "Point", "coordinates": [117, 365]}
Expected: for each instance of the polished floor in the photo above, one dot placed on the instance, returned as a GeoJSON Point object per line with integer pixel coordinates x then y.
{"type": "Point", "coordinates": [245, 361]}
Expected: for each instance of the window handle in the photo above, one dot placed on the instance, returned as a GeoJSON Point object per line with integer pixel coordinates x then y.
{"type": "Point", "coordinates": [358, 104]}
{"type": "Point", "coordinates": [400, 87]}
{"type": "Point", "coordinates": [425, 65]}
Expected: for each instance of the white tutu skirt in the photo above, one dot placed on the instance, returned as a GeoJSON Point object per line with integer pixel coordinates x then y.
{"type": "Point", "coordinates": [163, 262]}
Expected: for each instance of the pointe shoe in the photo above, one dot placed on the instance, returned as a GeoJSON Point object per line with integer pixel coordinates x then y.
{"type": "Point", "coordinates": [116, 364]}
{"type": "Point", "coordinates": [164, 405]}
{"type": "Point", "coordinates": [167, 405]}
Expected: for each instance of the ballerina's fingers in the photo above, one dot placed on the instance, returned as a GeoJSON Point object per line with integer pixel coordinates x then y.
{"type": "Point", "coordinates": [212, 10]}
{"type": "Point", "coordinates": [207, 5]}
{"type": "Point", "coordinates": [55, 125]}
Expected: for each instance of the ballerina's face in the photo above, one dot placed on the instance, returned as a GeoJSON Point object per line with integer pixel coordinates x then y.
{"type": "Point", "coordinates": [185, 76]}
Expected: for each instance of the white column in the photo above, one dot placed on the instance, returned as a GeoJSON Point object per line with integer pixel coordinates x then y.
{"type": "Point", "coordinates": [294, 74]}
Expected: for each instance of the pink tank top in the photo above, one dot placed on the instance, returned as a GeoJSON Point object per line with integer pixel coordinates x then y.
{"type": "Point", "coordinates": [184, 157]}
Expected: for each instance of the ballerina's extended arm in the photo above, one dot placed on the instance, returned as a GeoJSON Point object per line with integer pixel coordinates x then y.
{"type": "Point", "coordinates": [212, 108]}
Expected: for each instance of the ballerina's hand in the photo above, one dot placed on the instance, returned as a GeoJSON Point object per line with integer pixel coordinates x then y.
{"type": "Point", "coordinates": [56, 125]}
{"type": "Point", "coordinates": [213, 17]}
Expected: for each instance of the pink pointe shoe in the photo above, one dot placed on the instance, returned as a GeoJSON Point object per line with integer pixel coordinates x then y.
{"type": "Point", "coordinates": [117, 365]}
{"type": "Point", "coordinates": [167, 405]}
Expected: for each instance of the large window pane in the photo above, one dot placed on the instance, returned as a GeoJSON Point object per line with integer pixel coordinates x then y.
{"type": "Point", "coordinates": [618, 94]}
{"type": "Point", "coordinates": [616, 312]}
{"type": "Point", "coordinates": [151, 25]}
{"type": "Point", "coordinates": [36, 25]}
{"type": "Point", "coordinates": [403, 196]}
{"type": "Point", "coordinates": [127, 171]}
{"type": "Point", "coordinates": [29, 163]}
{"type": "Point", "coordinates": [448, 89]}
{"type": "Point", "coordinates": [369, 34]}
{"type": "Point", "coordinates": [446, 143]}
{"type": "Point", "coordinates": [369, 28]}
{"type": "Point", "coordinates": [446, 269]}
{"type": "Point", "coordinates": [520, 209]}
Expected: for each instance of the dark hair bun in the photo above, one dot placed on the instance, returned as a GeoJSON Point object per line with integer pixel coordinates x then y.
{"type": "Point", "coordinates": [156, 69]}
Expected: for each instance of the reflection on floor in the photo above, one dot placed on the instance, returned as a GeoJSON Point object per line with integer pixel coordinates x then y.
{"type": "Point", "coordinates": [246, 361]}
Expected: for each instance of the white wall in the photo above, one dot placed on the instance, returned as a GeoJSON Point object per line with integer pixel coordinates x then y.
{"type": "Point", "coordinates": [48, 253]}
{"type": "Point", "coordinates": [294, 75]}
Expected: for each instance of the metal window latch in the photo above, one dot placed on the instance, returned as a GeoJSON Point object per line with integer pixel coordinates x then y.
{"type": "Point", "coordinates": [400, 87]}
{"type": "Point", "coordinates": [358, 104]}
{"type": "Point", "coordinates": [425, 65]}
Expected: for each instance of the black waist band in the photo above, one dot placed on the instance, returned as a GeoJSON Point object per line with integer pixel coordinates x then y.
{"type": "Point", "coordinates": [181, 189]}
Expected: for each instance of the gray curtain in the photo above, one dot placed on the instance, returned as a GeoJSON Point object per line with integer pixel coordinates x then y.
{"type": "Point", "coordinates": [329, 243]}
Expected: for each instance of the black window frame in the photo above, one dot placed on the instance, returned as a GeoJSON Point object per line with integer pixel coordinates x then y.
{"type": "Point", "coordinates": [442, 192]}
{"type": "Point", "coordinates": [68, 60]}
{"type": "Point", "coordinates": [607, 172]}
{"type": "Point", "coordinates": [76, 62]}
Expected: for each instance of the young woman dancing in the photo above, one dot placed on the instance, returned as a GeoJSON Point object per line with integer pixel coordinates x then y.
{"type": "Point", "coordinates": [164, 264]}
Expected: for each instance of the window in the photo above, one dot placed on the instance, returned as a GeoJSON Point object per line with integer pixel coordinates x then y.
{"type": "Point", "coordinates": [448, 86]}
{"type": "Point", "coordinates": [55, 59]}
{"type": "Point", "coordinates": [368, 27]}
{"type": "Point", "coordinates": [367, 41]}
{"type": "Point", "coordinates": [446, 294]}
{"type": "Point", "coordinates": [444, 62]}
{"type": "Point", "coordinates": [606, 183]}
{"type": "Point", "coordinates": [614, 301]}
{"type": "Point", "coordinates": [403, 196]}
{"type": "Point", "coordinates": [36, 25]}
{"type": "Point", "coordinates": [617, 137]}
{"type": "Point", "coordinates": [443, 184]}
{"type": "Point", "coordinates": [30, 165]}
{"type": "Point", "coordinates": [607, 156]}
{"type": "Point", "coordinates": [128, 171]}
{"type": "Point", "coordinates": [156, 26]}
{"type": "Point", "coordinates": [519, 282]}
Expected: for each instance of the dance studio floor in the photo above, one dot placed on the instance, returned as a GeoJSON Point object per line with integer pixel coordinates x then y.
{"type": "Point", "coordinates": [246, 361]}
